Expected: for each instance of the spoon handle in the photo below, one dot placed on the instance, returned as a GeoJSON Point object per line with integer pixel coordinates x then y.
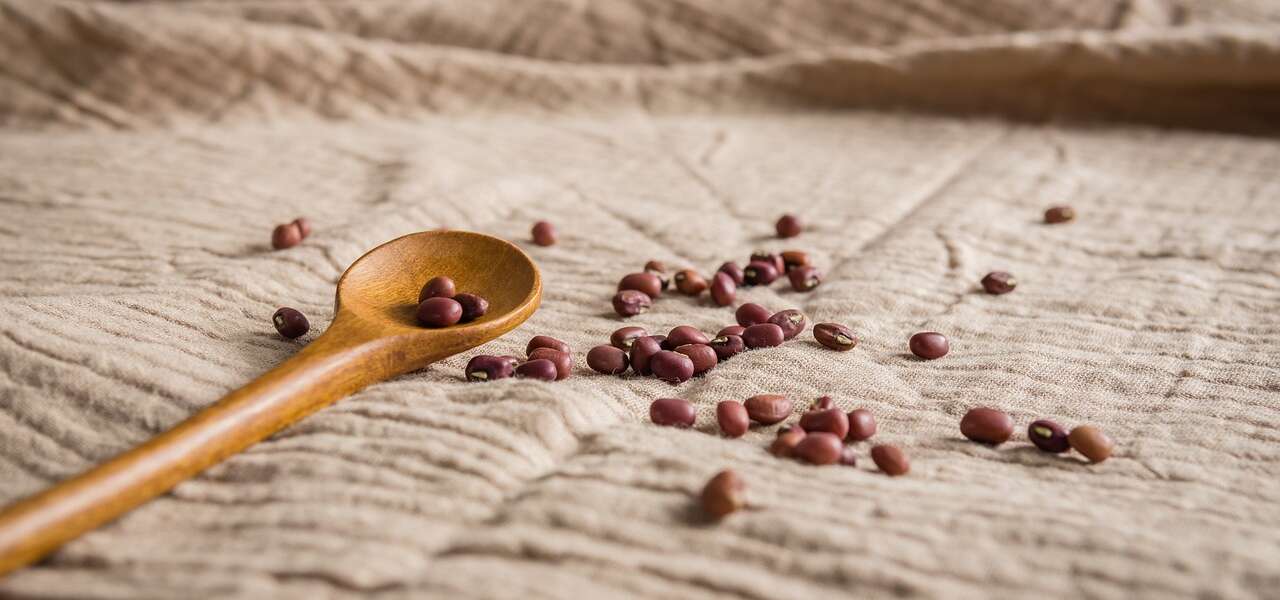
{"type": "Point", "coordinates": [339, 362]}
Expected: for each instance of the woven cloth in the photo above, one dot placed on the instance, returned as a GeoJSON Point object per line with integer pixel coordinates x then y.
{"type": "Point", "coordinates": [148, 148]}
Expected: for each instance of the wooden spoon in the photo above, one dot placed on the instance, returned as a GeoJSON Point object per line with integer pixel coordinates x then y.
{"type": "Point", "coordinates": [373, 337]}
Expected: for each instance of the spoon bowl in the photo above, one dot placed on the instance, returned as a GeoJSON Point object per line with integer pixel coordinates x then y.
{"type": "Point", "coordinates": [374, 336]}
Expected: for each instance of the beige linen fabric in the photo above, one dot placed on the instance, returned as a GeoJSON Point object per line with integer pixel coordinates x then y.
{"type": "Point", "coordinates": [148, 148]}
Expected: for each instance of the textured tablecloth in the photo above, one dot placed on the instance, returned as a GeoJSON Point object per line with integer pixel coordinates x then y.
{"type": "Point", "coordinates": [148, 148]}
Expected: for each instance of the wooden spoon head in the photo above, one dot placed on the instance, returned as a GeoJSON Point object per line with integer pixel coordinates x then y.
{"type": "Point", "coordinates": [380, 289]}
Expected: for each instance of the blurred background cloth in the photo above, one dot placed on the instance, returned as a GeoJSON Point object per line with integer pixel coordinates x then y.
{"type": "Point", "coordinates": [148, 148]}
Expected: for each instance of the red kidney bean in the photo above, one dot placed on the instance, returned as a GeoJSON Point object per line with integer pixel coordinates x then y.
{"type": "Point", "coordinates": [723, 290]}
{"type": "Point", "coordinates": [727, 346]}
{"type": "Point", "coordinates": [702, 355]}
{"type": "Point", "coordinates": [831, 420]}
{"type": "Point", "coordinates": [642, 350]}
{"type": "Point", "coordinates": [818, 448]}
{"type": "Point", "coordinates": [822, 403]}
{"type": "Point", "coordinates": [545, 341]}
{"type": "Point", "coordinates": [731, 330]}
{"type": "Point", "coordinates": [788, 226]}
{"type": "Point", "coordinates": [999, 282]}
{"type": "Point", "coordinates": [1048, 436]}
{"type": "Point", "coordinates": [671, 367]}
{"type": "Point", "coordinates": [685, 334]}
{"type": "Point", "coordinates": [849, 456]}
{"type": "Point", "coordinates": [606, 359]}
{"type": "Point", "coordinates": [733, 419]}
{"type": "Point", "coordinates": [539, 368]}
{"type": "Point", "coordinates": [437, 287]}
{"type": "Point", "coordinates": [785, 444]}
{"type": "Point", "coordinates": [661, 339]}
{"type": "Point", "coordinates": [986, 425]}
{"type": "Point", "coordinates": [862, 425]}
{"type": "Point", "coordinates": [891, 460]}
{"type": "Point", "coordinates": [835, 336]}
{"type": "Point", "coordinates": [779, 265]}
{"type": "Point", "coordinates": [724, 494]}
{"type": "Point", "coordinates": [544, 233]}
{"type": "Point", "coordinates": [629, 303]}
{"type": "Point", "coordinates": [562, 360]}
{"type": "Point", "coordinates": [690, 283]}
{"type": "Point", "coordinates": [486, 367]}
{"type": "Point", "coordinates": [660, 270]}
{"type": "Point", "coordinates": [304, 226]}
{"type": "Point", "coordinates": [734, 272]}
{"type": "Point", "coordinates": [623, 337]}
{"type": "Point", "coordinates": [764, 335]}
{"type": "Point", "coordinates": [791, 321]}
{"type": "Point", "coordinates": [752, 314]}
{"type": "Point", "coordinates": [286, 236]}
{"type": "Point", "coordinates": [1059, 214]}
{"type": "Point", "coordinates": [759, 273]}
{"type": "Point", "coordinates": [648, 283]}
{"type": "Point", "coordinates": [290, 323]}
{"type": "Point", "coordinates": [804, 279]}
{"type": "Point", "coordinates": [672, 412]}
{"type": "Point", "coordinates": [767, 409]}
{"type": "Point", "coordinates": [1091, 442]}
{"type": "Point", "coordinates": [439, 312]}
{"type": "Point", "coordinates": [929, 345]}
{"type": "Point", "coordinates": [473, 306]}
{"type": "Point", "coordinates": [792, 259]}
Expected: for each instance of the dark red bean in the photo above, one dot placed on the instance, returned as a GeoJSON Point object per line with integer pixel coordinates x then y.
{"type": "Point", "coordinates": [767, 409]}
{"type": "Point", "coordinates": [545, 341]}
{"type": "Point", "coordinates": [562, 360]}
{"type": "Point", "coordinates": [685, 334]}
{"type": "Point", "coordinates": [723, 495]}
{"type": "Point", "coordinates": [629, 303]}
{"type": "Point", "coordinates": [723, 290]}
{"type": "Point", "coordinates": [999, 282]}
{"type": "Point", "coordinates": [672, 412]}
{"type": "Point", "coordinates": [290, 322]}
{"type": "Point", "coordinates": [540, 368]}
{"type": "Point", "coordinates": [764, 335]}
{"type": "Point", "coordinates": [792, 259]}
{"type": "Point", "coordinates": [862, 425]}
{"type": "Point", "coordinates": [544, 233]}
{"type": "Point", "coordinates": [671, 367]}
{"type": "Point", "coordinates": [607, 359]}
{"type": "Point", "coordinates": [779, 265]}
{"type": "Point", "coordinates": [1091, 442]}
{"type": "Point", "coordinates": [732, 418]}
{"type": "Point", "coordinates": [727, 346]}
{"type": "Point", "coordinates": [304, 226]}
{"type": "Point", "coordinates": [835, 336]}
{"type": "Point", "coordinates": [439, 312]}
{"type": "Point", "coordinates": [1048, 436]}
{"type": "Point", "coordinates": [785, 444]}
{"type": "Point", "coordinates": [986, 425]}
{"type": "Point", "coordinates": [702, 355]}
{"type": "Point", "coordinates": [791, 321]}
{"type": "Point", "coordinates": [831, 420]}
{"type": "Point", "coordinates": [486, 367]}
{"type": "Point", "coordinates": [759, 273]}
{"type": "Point", "coordinates": [788, 226]}
{"type": "Point", "coordinates": [929, 345]}
{"type": "Point", "coordinates": [648, 283]}
{"type": "Point", "coordinates": [818, 448]}
{"type": "Point", "coordinates": [473, 306]}
{"type": "Point", "coordinates": [661, 339]}
{"type": "Point", "coordinates": [690, 283]}
{"type": "Point", "coordinates": [660, 270]}
{"type": "Point", "coordinates": [822, 403]}
{"type": "Point", "coordinates": [286, 236]}
{"type": "Point", "coordinates": [891, 460]}
{"type": "Point", "coordinates": [734, 272]}
{"type": "Point", "coordinates": [642, 350]}
{"type": "Point", "coordinates": [624, 336]}
{"type": "Point", "coordinates": [731, 330]}
{"type": "Point", "coordinates": [849, 456]}
{"type": "Point", "coordinates": [752, 314]}
{"type": "Point", "coordinates": [1059, 214]}
{"type": "Point", "coordinates": [804, 279]}
{"type": "Point", "coordinates": [437, 287]}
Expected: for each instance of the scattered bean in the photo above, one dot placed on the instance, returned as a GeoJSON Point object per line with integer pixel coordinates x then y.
{"type": "Point", "coordinates": [562, 360]}
{"type": "Point", "coordinates": [672, 412]}
{"type": "Point", "coordinates": [704, 357]}
{"type": "Point", "coordinates": [545, 341]}
{"type": "Point", "coordinates": [290, 323]}
{"type": "Point", "coordinates": [439, 312]}
{"type": "Point", "coordinates": [774, 259]}
{"type": "Point", "coordinates": [835, 336]}
{"type": "Point", "coordinates": [544, 233]}
{"type": "Point", "coordinates": [831, 420]}
{"type": "Point", "coordinates": [606, 359]}
{"type": "Point", "coordinates": [723, 289]}
{"type": "Point", "coordinates": [642, 350]}
{"type": "Point", "coordinates": [785, 444]}
{"type": "Point", "coordinates": [731, 330]}
{"type": "Point", "coordinates": [727, 346]}
{"type": "Point", "coordinates": [999, 282]}
{"type": "Point", "coordinates": [929, 345]}
{"type": "Point", "coordinates": [986, 425]}
{"type": "Point", "coordinates": [539, 368]}
{"type": "Point", "coordinates": [648, 283]}
{"type": "Point", "coordinates": [805, 278]}
{"type": "Point", "coordinates": [788, 226]}
{"type": "Point", "coordinates": [1059, 214]}
{"type": "Point", "coordinates": [1048, 436]}
{"type": "Point", "coordinates": [764, 335]}
{"type": "Point", "coordinates": [437, 287]}
{"type": "Point", "coordinates": [767, 409]}
{"type": "Point", "coordinates": [1091, 442]}
{"type": "Point", "coordinates": [624, 336]}
{"type": "Point", "coordinates": [629, 303]}
{"type": "Point", "coordinates": [890, 459]}
{"type": "Point", "coordinates": [759, 273]}
{"type": "Point", "coordinates": [791, 321]}
{"type": "Point", "coordinates": [734, 272]}
{"type": "Point", "coordinates": [818, 448]}
{"type": "Point", "coordinates": [733, 419]}
{"type": "Point", "coordinates": [792, 259]}
{"type": "Point", "coordinates": [751, 314]}
{"type": "Point", "coordinates": [473, 306]}
{"type": "Point", "coordinates": [671, 367]}
{"type": "Point", "coordinates": [286, 236]}
{"type": "Point", "coordinates": [862, 425]}
{"type": "Point", "coordinates": [723, 494]}
{"type": "Point", "coordinates": [690, 283]}
{"type": "Point", "coordinates": [486, 367]}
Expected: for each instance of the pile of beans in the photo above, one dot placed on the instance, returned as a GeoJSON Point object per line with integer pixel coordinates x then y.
{"type": "Point", "coordinates": [547, 359]}
{"type": "Point", "coordinates": [993, 427]}
{"type": "Point", "coordinates": [290, 234]}
{"type": "Point", "coordinates": [439, 304]}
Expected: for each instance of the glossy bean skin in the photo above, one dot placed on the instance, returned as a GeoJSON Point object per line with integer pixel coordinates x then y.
{"type": "Point", "coordinates": [608, 360]}
{"type": "Point", "coordinates": [764, 335]}
{"type": "Point", "coordinates": [804, 278]}
{"type": "Point", "coordinates": [629, 303]}
{"type": "Point", "coordinates": [473, 306]}
{"type": "Point", "coordinates": [752, 314]}
{"type": "Point", "coordinates": [703, 356]}
{"type": "Point", "coordinates": [690, 283]}
{"type": "Point", "coordinates": [733, 271]}
{"type": "Point", "coordinates": [541, 369]}
{"type": "Point", "coordinates": [987, 426]}
{"type": "Point", "coordinates": [831, 420]}
{"type": "Point", "coordinates": [486, 367]}
{"type": "Point", "coordinates": [685, 334]}
{"type": "Point", "coordinates": [732, 417]}
{"type": "Point", "coordinates": [623, 337]}
{"type": "Point", "coordinates": [835, 336]}
{"type": "Point", "coordinates": [545, 341]}
{"type": "Point", "coordinates": [791, 321]}
{"type": "Point", "coordinates": [818, 448]}
{"type": "Point", "coordinates": [671, 367]}
{"type": "Point", "coordinates": [647, 283]}
{"type": "Point", "coordinates": [891, 460]}
{"type": "Point", "coordinates": [642, 351]}
{"type": "Point", "coordinates": [788, 226]}
{"type": "Point", "coordinates": [723, 289]}
{"type": "Point", "coordinates": [767, 409]}
{"type": "Point", "coordinates": [290, 323]}
{"type": "Point", "coordinates": [731, 330]}
{"type": "Point", "coordinates": [862, 425]}
{"type": "Point", "coordinates": [999, 282]}
{"type": "Point", "coordinates": [562, 360]}
{"type": "Point", "coordinates": [759, 273]}
{"type": "Point", "coordinates": [1048, 436]}
{"type": "Point", "coordinates": [929, 345]}
{"type": "Point", "coordinates": [727, 346]}
{"type": "Point", "coordinates": [672, 412]}
{"type": "Point", "coordinates": [439, 312]}
{"type": "Point", "coordinates": [437, 287]}
{"type": "Point", "coordinates": [1091, 442]}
